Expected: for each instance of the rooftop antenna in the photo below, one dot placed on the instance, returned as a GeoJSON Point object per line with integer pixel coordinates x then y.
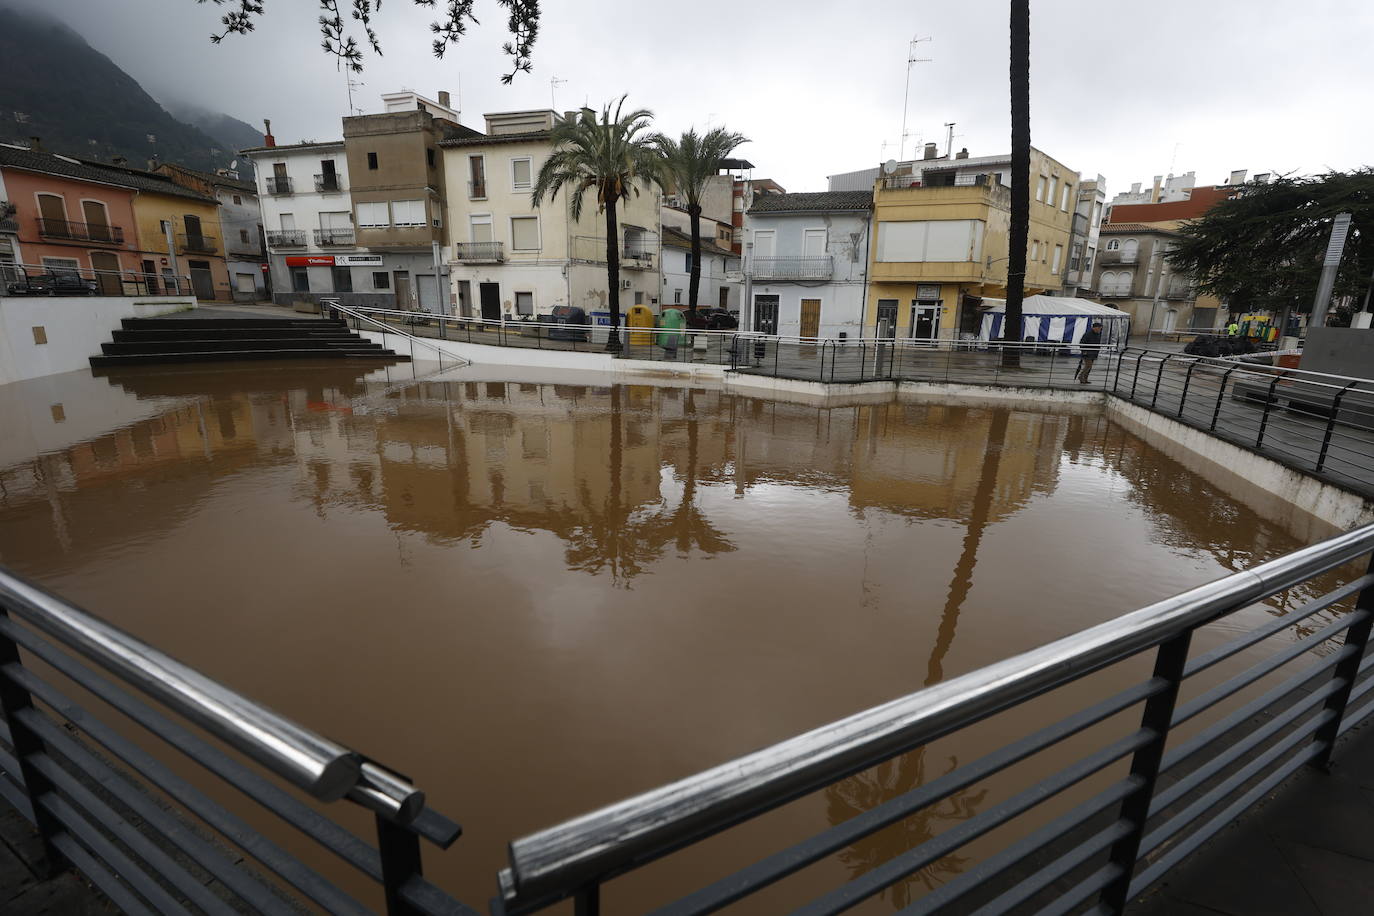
{"type": "Point", "coordinates": [1174, 158]}
{"type": "Point", "coordinates": [352, 84]}
{"type": "Point", "coordinates": [554, 83]}
{"type": "Point", "coordinates": [949, 143]}
{"type": "Point", "coordinates": [911, 58]}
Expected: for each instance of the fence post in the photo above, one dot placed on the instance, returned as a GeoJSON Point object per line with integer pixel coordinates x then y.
{"type": "Point", "coordinates": [1187, 381]}
{"type": "Point", "coordinates": [1347, 669]}
{"type": "Point", "coordinates": [1170, 660]}
{"type": "Point", "coordinates": [26, 743]}
{"type": "Point", "coordinates": [399, 850]}
{"type": "Point", "coordinates": [1158, 379]}
{"type": "Point", "coordinates": [1221, 393]}
{"type": "Point", "coordinates": [1268, 405]}
{"type": "Point", "coordinates": [1331, 425]}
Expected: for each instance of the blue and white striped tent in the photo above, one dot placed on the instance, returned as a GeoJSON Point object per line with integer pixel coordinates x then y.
{"type": "Point", "coordinates": [1056, 319]}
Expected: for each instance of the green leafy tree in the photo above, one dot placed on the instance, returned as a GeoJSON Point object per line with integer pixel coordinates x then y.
{"type": "Point", "coordinates": [1020, 176]}
{"type": "Point", "coordinates": [688, 164]}
{"type": "Point", "coordinates": [611, 156]}
{"type": "Point", "coordinates": [1263, 248]}
{"type": "Point", "coordinates": [522, 21]}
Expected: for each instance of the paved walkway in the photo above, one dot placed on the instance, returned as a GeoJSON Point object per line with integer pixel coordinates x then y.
{"type": "Point", "coordinates": [23, 892]}
{"type": "Point", "coordinates": [1308, 851]}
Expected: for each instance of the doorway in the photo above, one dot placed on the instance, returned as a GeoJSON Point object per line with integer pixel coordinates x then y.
{"type": "Point", "coordinates": [887, 318]}
{"type": "Point", "coordinates": [401, 283]}
{"type": "Point", "coordinates": [925, 320]}
{"type": "Point", "coordinates": [725, 298]}
{"type": "Point", "coordinates": [106, 267]}
{"type": "Point", "coordinates": [811, 318]}
{"type": "Point", "coordinates": [766, 314]}
{"type": "Point", "coordinates": [150, 277]}
{"type": "Point", "coordinates": [202, 281]}
{"type": "Point", "coordinates": [464, 298]}
{"type": "Point", "coordinates": [490, 295]}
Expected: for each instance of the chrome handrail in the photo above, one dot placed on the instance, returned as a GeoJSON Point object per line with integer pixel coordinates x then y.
{"type": "Point", "coordinates": [632, 832]}
{"type": "Point", "coordinates": [388, 329]}
{"type": "Point", "coordinates": [325, 769]}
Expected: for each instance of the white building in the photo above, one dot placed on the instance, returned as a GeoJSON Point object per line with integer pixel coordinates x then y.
{"type": "Point", "coordinates": [806, 259]}
{"type": "Point", "coordinates": [508, 257]}
{"type": "Point", "coordinates": [720, 285]}
{"type": "Point", "coordinates": [1162, 191]}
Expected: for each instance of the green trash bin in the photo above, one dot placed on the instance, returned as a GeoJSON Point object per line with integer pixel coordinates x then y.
{"type": "Point", "coordinates": [671, 324]}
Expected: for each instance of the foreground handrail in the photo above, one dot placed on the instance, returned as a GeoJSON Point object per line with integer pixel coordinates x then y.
{"type": "Point", "coordinates": [635, 831]}
{"type": "Point", "coordinates": [327, 770]}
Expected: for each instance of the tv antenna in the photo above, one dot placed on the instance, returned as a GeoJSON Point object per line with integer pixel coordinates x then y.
{"type": "Point", "coordinates": [352, 84]}
{"type": "Point", "coordinates": [911, 58]}
{"type": "Point", "coordinates": [554, 83]}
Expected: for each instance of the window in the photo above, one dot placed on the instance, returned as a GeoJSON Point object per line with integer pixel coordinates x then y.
{"type": "Point", "coordinates": [371, 160]}
{"type": "Point", "coordinates": [763, 243]}
{"type": "Point", "coordinates": [300, 280]}
{"type": "Point", "coordinates": [1054, 186]}
{"type": "Point", "coordinates": [477, 177]}
{"type": "Point", "coordinates": [481, 229]}
{"type": "Point", "coordinates": [639, 297]}
{"type": "Point", "coordinates": [343, 279]}
{"type": "Point", "coordinates": [524, 303]}
{"type": "Point", "coordinates": [1064, 199]}
{"type": "Point", "coordinates": [1040, 188]}
{"type": "Point", "coordinates": [243, 236]}
{"type": "Point", "coordinates": [429, 156]}
{"type": "Point", "coordinates": [677, 297]}
{"type": "Point", "coordinates": [62, 264]}
{"type": "Point", "coordinates": [524, 233]}
{"type": "Point", "coordinates": [521, 171]}
{"type": "Point", "coordinates": [1088, 262]}
{"type": "Point", "coordinates": [372, 214]}
{"type": "Point", "coordinates": [1097, 214]}
{"type": "Point", "coordinates": [381, 280]}
{"type": "Point", "coordinates": [288, 221]}
{"type": "Point", "coordinates": [1058, 258]}
{"type": "Point", "coordinates": [1113, 245]}
{"type": "Point", "coordinates": [950, 240]}
{"type": "Point", "coordinates": [408, 212]}
{"type": "Point", "coordinates": [238, 199]}
{"type": "Point", "coordinates": [687, 262]}
{"type": "Point", "coordinates": [813, 243]}
{"type": "Point", "coordinates": [1035, 250]}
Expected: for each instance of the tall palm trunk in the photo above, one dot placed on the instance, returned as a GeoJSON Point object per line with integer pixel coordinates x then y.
{"type": "Point", "coordinates": [613, 275]}
{"type": "Point", "coordinates": [694, 277]}
{"type": "Point", "coordinates": [1020, 175]}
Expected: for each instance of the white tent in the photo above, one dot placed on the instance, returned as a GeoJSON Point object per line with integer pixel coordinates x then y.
{"type": "Point", "coordinates": [1056, 319]}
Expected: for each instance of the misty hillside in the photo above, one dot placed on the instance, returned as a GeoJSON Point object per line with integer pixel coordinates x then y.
{"type": "Point", "coordinates": [55, 86]}
{"type": "Point", "coordinates": [230, 133]}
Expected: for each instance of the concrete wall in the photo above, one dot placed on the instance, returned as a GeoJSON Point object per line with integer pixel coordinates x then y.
{"type": "Point", "coordinates": [1340, 351]}
{"type": "Point", "coordinates": [74, 327]}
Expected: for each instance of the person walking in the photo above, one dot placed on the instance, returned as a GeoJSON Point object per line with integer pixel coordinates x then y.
{"type": "Point", "coordinates": [1088, 345]}
{"type": "Point", "coordinates": [1233, 330]}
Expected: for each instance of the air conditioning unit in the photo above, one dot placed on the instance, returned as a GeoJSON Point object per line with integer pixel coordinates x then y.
{"type": "Point", "coordinates": [674, 201]}
{"type": "Point", "coordinates": [624, 284]}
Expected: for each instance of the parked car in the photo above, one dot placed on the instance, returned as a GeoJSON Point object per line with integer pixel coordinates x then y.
{"type": "Point", "coordinates": [52, 283]}
{"type": "Point", "coordinates": [710, 319]}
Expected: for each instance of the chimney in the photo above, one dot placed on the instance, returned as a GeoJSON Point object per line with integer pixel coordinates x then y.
{"type": "Point", "coordinates": [443, 98]}
{"type": "Point", "coordinates": [152, 164]}
{"type": "Point", "coordinates": [962, 154]}
{"type": "Point", "coordinates": [119, 160]}
{"type": "Point", "coordinates": [36, 144]}
{"type": "Point", "coordinates": [932, 151]}
{"type": "Point", "coordinates": [1237, 177]}
{"type": "Point", "coordinates": [1154, 194]}
{"type": "Point", "coordinates": [267, 138]}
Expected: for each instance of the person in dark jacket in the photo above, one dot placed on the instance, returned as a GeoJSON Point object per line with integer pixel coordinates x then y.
{"type": "Point", "coordinates": [1088, 344]}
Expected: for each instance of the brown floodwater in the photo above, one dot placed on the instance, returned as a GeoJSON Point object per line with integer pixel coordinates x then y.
{"type": "Point", "coordinates": [536, 599]}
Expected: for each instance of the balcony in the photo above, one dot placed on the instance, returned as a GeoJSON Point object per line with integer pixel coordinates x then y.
{"type": "Point", "coordinates": [279, 186]}
{"type": "Point", "coordinates": [1179, 291]}
{"type": "Point", "coordinates": [785, 269]}
{"type": "Point", "coordinates": [479, 252]}
{"type": "Point", "coordinates": [327, 237]}
{"type": "Point", "coordinates": [325, 184]}
{"type": "Point", "coordinates": [637, 259]}
{"type": "Point", "coordinates": [1118, 257]}
{"type": "Point", "coordinates": [286, 238]}
{"type": "Point", "coordinates": [477, 190]}
{"type": "Point", "coordinates": [197, 244]}
{"type": "Point", "coordinates": [80, 232]}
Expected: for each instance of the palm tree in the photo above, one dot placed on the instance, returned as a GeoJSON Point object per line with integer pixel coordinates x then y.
{"type": "Point", "coordinates": [1020, 175]}
{"type": "Point", "coordinates": [610, 156]}
{"type": "Point", "coordinates": [689, 163]}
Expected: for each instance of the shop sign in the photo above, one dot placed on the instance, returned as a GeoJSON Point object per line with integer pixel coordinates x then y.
{"type": "Point", "coordinates": [358, 260]}
{"type": "Point", "coordinates": [310, 260]}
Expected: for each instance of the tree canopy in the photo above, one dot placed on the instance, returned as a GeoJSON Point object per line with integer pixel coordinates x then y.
{"type": "Point", "coordinates": [1263, 248]}
{"type": "Point", "coordinates": [522, 22]}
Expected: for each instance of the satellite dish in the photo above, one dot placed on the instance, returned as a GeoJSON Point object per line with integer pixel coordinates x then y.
{"type": "Point", "coordinates": [889, 166]}
{"type": "Point", "coordinates": [233, 163]}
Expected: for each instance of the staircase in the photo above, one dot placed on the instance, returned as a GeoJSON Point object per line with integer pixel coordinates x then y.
{"type": "Point", "coordinates": [145, 341]}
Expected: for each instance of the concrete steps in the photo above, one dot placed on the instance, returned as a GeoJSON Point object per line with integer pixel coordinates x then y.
{"type": "Point", "coordinates": [151, 341]}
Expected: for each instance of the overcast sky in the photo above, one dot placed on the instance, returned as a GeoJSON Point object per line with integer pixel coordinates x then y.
{"type": "Point", "coordinates": [1125, 90]}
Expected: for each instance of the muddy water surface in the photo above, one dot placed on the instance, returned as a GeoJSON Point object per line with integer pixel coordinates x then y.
{"type": "Point", "coordinates": [538, 599]}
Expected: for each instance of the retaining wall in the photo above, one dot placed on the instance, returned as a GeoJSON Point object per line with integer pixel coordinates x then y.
{"type": "Point", "coordinates": [71, 329]}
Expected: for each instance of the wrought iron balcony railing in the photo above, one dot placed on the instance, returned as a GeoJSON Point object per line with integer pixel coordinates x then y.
{"type": "Point", "coordinates": [82, 232]}
{"type": "Point", "coordinates": [327, 183]}
{"type": "Point", "coordinates": [637, 258]}
{"type": "Point", "coordinates": [278, 186]}
{"type": "Point", "coordinates": [1119, 257]}
{"type": "Point", "coordinates": [325, 237]}
{"type": "Point", "coordinates": [480, 252]}
{"type": "Point", "coordinates": [820, 267]}
{"type": "Point", "coordinates": [197, 244]}
{"type": "Point", "coordinates": [477, 190]}
{"type": "Point", "coordinates": [286, 238]}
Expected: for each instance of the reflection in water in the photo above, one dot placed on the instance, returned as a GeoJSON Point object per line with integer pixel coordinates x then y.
{"type": "Point", "coordinates": [559, 563]}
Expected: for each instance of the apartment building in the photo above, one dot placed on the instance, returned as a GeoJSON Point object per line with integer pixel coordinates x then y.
{"type": "Point", "coordinates": [240, 219]}
{"type": "Point", "coordinates": [719, 283]}
{"type": "Point", "coordinates": [1083, 236]}
{"type": "Point", "coordinates": [509, 258]}
{"type": "Point", "coordinates": [806, 258]}
{"type": "Point", "coordinates": [941, 237]}
{"type": "Point", "coordinates": [1132, 274]}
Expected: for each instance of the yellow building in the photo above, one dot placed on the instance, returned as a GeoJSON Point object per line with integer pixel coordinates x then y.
{"type": "Point", "coordinates": [941, 240]}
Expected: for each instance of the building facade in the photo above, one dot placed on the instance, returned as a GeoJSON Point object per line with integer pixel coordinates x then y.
{"type": "Point", "coordinates": [719, 284]}
{"type": "Point", "coordinates": [941, 240]}
{"type": "Point", "coordinates": [806, 260]}
{"type": "Point", "coordinates": [240, 218]}
{"type": "Point", "coordinates": [509, 258]}
{"type": "Point", "coordinates": [1083, 237]}
{"type": "Point", "coordinates": [1131, 274]}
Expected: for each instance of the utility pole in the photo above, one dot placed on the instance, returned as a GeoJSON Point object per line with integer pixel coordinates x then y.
{"type": "Point", "coordinates": [949, 143]}
{"type": "Point", "coordinates": [1335, 247]}
{"type": "Point", "coordinates": [911, 58]}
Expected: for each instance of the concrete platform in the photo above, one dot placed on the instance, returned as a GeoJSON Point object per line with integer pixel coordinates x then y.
{"type": "Point", "coordinates": [23, 890]}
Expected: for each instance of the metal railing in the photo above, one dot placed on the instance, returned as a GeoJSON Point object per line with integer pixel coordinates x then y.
{"type": "Point", "coordinates": [1118, 257]}
{"type": "Point", "coordinates": [1313, 422]}
{"type": "Point", "coordinates": [326, 183]}
{"type": "Point", "coordinates": [42, 280]}
{"type": "Point", "coordinates": [327, 237]}
{"type": "Point", "coordinates": [81, 232]}
{"type": "Point", "coordinates": [278, 186]}
{"type": "Point", "coordinates": [197, 244]}
{"type": "Point", "coordinates": [1112, 822]}
{"type": "Point", "coordinates": [479, 252]}
{"type": "Point", "coordinates": [78, 778]}
{"type": "Point", "coordinates": [365, 322]}
{"type": "Point", "coordinates": [637, 258]}
{"type": "Point", "coordinates": [821, 267]}
{"type": "Point", "coordinates": [286, 238]}
{"type": "Point", "coordinates": [477, 190]}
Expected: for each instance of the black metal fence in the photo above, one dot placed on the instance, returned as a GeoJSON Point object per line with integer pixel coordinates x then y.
{"type": "Point", "coordinates": [150, 838]}
{"type": "Point", "coordinates": [1316, 423]}
{"type": "Point", "coordinates": [50, 280]}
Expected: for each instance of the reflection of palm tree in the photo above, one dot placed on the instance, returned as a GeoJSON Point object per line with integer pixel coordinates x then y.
{"type": "Point", "coordinates": [898, 776]}
{"type": "Point", "coordinates": [686, 526]}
